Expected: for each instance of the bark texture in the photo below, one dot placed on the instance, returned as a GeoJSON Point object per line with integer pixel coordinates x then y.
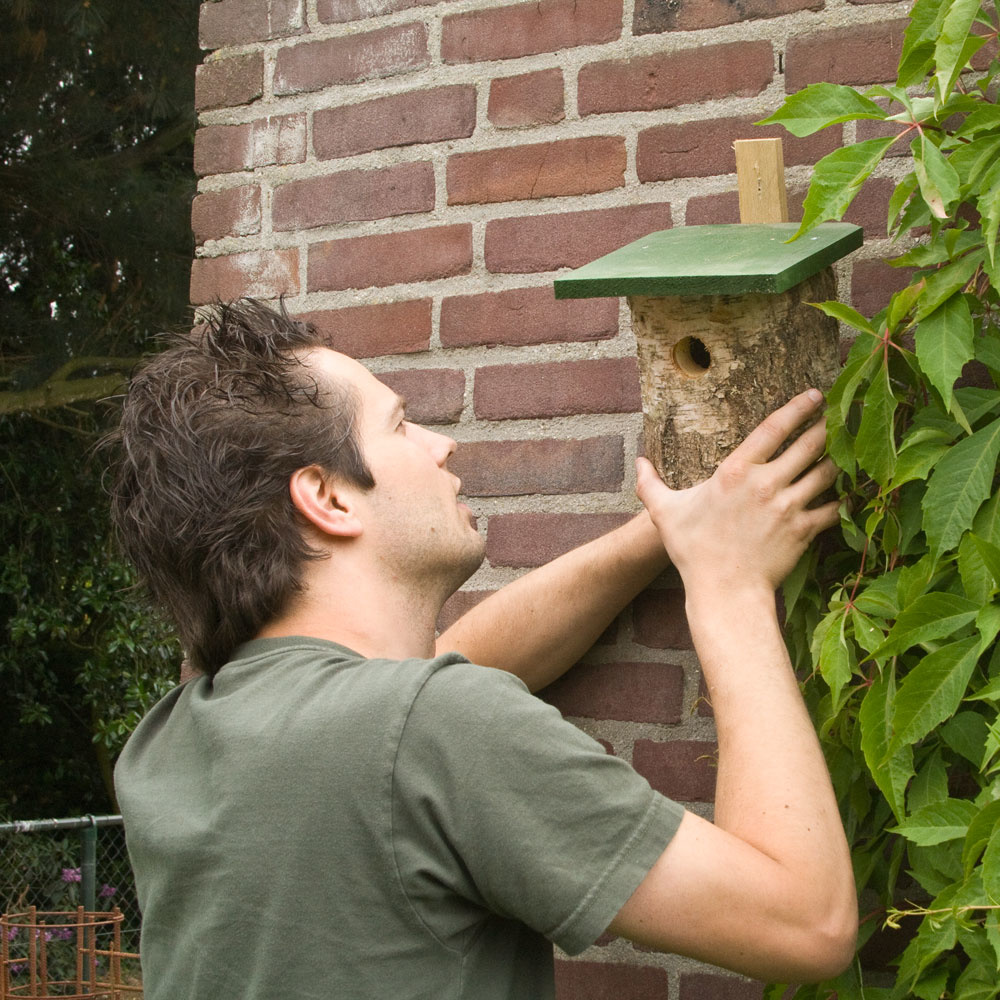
{"type": "Point", "coordinates": [712, 367]}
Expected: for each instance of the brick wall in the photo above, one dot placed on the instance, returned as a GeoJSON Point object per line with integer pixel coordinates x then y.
{"type": "Point", "coordinates": [412, 174]}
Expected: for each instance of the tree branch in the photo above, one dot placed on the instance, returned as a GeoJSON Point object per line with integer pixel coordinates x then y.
{"type": "Point", "coordinates": [57, 390]}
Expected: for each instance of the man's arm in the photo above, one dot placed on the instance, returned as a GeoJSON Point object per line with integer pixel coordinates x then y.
{"type": "Point", "coordinates": [542, 623]}
{"type": "Point", "coordinates": [767, 889]}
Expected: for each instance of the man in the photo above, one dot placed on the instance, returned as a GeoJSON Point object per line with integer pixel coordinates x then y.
{"type": "Point", "coordinates": [342, 805]}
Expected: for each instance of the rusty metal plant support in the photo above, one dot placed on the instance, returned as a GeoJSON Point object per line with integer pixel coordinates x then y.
{"type": "Point", "coordinates": [26, 940]}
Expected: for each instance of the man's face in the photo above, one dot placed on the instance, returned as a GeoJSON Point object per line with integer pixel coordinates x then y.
{"type": "Point", "coordinates": [412, 514]}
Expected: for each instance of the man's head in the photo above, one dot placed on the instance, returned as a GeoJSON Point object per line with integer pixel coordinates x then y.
{"type": "Point", "coordinates": [212, 431]}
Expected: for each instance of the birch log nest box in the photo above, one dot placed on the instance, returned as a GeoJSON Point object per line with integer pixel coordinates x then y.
{"type": "Point", "coordinates": [723, 326]}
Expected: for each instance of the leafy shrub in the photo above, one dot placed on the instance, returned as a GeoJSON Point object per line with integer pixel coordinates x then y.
{"type": "Point", "coordinates": [897, 621]}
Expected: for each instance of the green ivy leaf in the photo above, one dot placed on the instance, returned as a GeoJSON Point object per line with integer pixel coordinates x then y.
{"type": "Point", "coordinates": [989, 554]}
{"type": "Point", "coordinates": [837, 178]}
{"type": "Point", "coordinates": [938, 179]}
{"type": "Point", "coordinates": [931, 616]}
{"type": "Point", "coordinates": [845, 314]}
{"type": "Point", "coordinates": [981, 830]}
{"type": "Point", "coordinates": [943, 283]}
{"type": "Point", "coordinates": [937, 822]}
{"type": "Point", "coordinates": [991, 864]}
{"type": "Point", "coordinates": [929, 785]}
{"type": "Point", "coordinates": [959, 484]}
{"type": "Point", "coordinates": [875, 446]}
{"type": "Point", "coordinates": [921, 31]}
{"type": "Point", "coordinates": [891, 775]}
{"type": "Point", "coordinates": [932, 939]}
{"type": "Point", "coordinates": [820, 105]}
{"type": "Point", "coordinates": [944, 344]}
{"type": "Point", "coordinates": [916, 461]}
{"type": "Point", "coordinates": [932, 692]}
{"type": "Point", "coordinates": [983, 119]}
{"type": "Point", "coordinates": [977, 581]}
{"type": "Point", "coordinates": [955, 44]}
{"type": "Point", "coordinates": [988, 205]}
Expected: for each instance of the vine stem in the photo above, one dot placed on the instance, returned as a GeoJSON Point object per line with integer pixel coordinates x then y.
{"type": "Point", "coordinates": [893, 915]}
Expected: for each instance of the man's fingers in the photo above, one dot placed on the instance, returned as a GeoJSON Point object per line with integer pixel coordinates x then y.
{"type": "Point", "coordinates": [768, 436]}
{"type": "Point", "coordinates": [802, 453]}
{"type": "Point", "coordinates": [819, 478]}
{"type": "Point", "coordinates": [821, 518]}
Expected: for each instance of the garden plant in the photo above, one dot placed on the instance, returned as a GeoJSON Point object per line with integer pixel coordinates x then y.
{"type": "Point", "coordinates": [895, 622]}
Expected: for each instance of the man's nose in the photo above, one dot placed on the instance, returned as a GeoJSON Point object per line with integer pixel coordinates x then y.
{"type": "Point", "coordinates": [440, 446]}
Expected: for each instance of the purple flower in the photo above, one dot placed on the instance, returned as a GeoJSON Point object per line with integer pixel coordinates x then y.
{"type": "Point", "coordinates": [13, 933]}
{"type": "Point", "coordinates": [71, 874]}
{"type": "Point", "coordinates": [107, 891]}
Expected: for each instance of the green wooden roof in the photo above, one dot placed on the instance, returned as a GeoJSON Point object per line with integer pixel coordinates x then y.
{"type": "Point", "coordinates": [712, 260]}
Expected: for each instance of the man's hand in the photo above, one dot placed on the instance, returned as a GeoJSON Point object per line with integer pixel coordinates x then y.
{"type": "Point", "coordinates": [747, 526]}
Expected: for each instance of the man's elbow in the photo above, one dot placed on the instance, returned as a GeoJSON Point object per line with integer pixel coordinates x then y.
{"type": "Point", "coordinates": [832, 941]}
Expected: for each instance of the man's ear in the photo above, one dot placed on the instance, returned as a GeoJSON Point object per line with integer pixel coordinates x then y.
{"type": "Point", "coordinates": [325, 504]}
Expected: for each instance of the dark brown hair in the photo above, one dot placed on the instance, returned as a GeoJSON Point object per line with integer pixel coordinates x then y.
{"type": "Point", "coordinates": [211, 430]}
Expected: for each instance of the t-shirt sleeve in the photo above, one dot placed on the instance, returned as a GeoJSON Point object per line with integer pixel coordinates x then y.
{"type": "Point", "coordinates": [500, 799]}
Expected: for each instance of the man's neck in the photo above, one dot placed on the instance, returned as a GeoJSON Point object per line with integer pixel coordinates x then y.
{"type": "Point", "coordinates": [376, 621]}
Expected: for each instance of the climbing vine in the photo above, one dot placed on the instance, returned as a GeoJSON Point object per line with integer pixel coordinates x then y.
{"type": "Point", "coordinates": [896, 621]}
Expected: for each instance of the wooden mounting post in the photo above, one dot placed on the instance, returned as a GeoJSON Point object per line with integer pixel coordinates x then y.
{"type": "Point", "coordinates": [723, 326]}
{"type": "Point", "coordinates": [760, 177]}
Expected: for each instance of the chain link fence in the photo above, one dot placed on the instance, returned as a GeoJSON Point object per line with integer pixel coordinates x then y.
{"type": "Point", "coordinates": [58, 865]}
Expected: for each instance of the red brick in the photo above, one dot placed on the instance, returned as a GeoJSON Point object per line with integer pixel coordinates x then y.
{"type": "Point", "coordinates": [873, 284]}
{"type": "Point", "coordinates": [680, 769]}
{"type": "Point", "coordinates": [540, 170]}
{"type": "Point", "coordinates": [458, 604]}
{"type": "Point", "coordinates": [527, 28]}
{"type": "Point", "coordinates": [549, 466]}
{"type": "Point", "coordinates": [225, 83]}
{"type": "Point", "coordinates": [233, 22]}
{"type": "Point", "coordinates": [557, 389]}
{"type": "Point", "coordinates": [433, 395]}
{"type": "Point", "coordinates": [263, 274]}
{"type": "Point", "coordinates": [233, 212]}
{"type": "Point", "coordinates": [402, 120]}
{"type": "Point", "coordinates": [872, 129]}
{"type": "Point", "coordinates": [870, 208]}
{"type": "Point", "coordinates": [568, 239]}
{"type": "Point", "coordinates": [350, 59]}
{"type": "Point", "coordinates": [375, 330]}
{"type": "Point", "coordinates": [353, 196]}
{"type": "Point", "coordinates": [629, 692]}
{"type": "Point", "coordinates": [525, 316]}
{"type": "Point", "coordinates": [718, 986]}
{"type": "Point", "coordinates": [528, 99]}
{"type": "Point", "coordinates": [856, 55]}
{"type": "Point", "coordinates": [222, 149]}
{"type": "Point", "coordinates": [659, 620]}
{"type": "Point", "coordinates": [609, 981]}
{"type": "Point", "coordinates": [653, 16]}
{"type": "Point", "coordinates": [338, 11]}
{"type": "Point", "coordinates": [724, 208]}
{"type": "Point", "coordinates": [418, 255]}
{"type": "Point", "coordinates": [705, 148]}
{"type": "Point", "coordinates": [525, 540]}
{"type": "Point", "coordinates": [669, 79]}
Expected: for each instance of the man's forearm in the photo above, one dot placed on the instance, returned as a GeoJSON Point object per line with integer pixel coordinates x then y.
{"type": "Point", "coordinates": [542, 623]}
{"type": "Point", "coordinates": [773, 789]}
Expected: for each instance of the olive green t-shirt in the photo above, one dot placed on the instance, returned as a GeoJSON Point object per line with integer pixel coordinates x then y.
{"type": "Point", "coordinates": [313, 824]}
